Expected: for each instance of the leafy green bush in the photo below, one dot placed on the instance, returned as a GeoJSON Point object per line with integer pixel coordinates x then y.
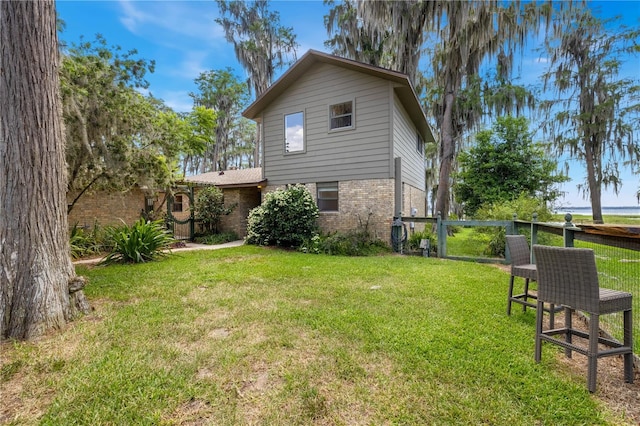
{"type": "Point", "coordinates": [141, 242]}
{"type": "Point", "coordinates": [286, 218]}
{"type": "Point", "coordinates": [210, 208]}
{"type": "Point", "coordinates": [221, 238]}
{"type": "Point", "coordinates": [351, 243]}
{"type": "Point", "coordinates": [523, 206]}
{"type": "Point", "coordinates": [85, 242]}
{"type": "Point", "coordinates": [414, 239]}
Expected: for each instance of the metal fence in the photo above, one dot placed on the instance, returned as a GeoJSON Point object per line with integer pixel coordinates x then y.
{"type": "Point", "coordinates": [617, 251]}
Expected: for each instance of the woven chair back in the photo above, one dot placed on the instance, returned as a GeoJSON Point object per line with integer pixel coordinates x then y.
{"type": "Point", "coordinates": [518, 250]}
{"type": "Point", "coordinates": [568, 276]}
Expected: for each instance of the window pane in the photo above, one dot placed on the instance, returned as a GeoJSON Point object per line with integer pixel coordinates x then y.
{"type": "Point", "coordinates": [328, 205]}
{"type": "Point", "coordinates": [338, 122]}
{"type": "Point", "coordinates": [340, 115]}
{"type": "Point", "coordinates": [294, 132]}
{"type": "Point", "coordinates": [177, 203]}
{"type": "Point", "coordinates": [327, 196]}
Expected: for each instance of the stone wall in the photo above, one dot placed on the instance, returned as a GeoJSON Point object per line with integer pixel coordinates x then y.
{"type": "Point", "coordinates": [365, 203]}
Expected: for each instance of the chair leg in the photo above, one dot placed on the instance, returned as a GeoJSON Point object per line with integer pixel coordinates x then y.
{"type": "Point", "coordinates": [568, 325]}
{"type": "Point", "coordinates": [526, 294]}
{"type": "Point", "coordinates": [539, 315]}
{"type": "Point", "coordinates": [510, 295]}
{"type": "Point", "coordinates": [552, 316]}
{"type": "Point", "coordinates": [592, 355]}
{"type": "Point", "coordinates": [628, 341]}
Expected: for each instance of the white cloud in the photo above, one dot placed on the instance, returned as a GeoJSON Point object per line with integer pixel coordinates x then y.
{"type": "Point", "coordinates": [191, 65]}
{"type": "Point", "coordinates": [179, 101]}
{"type": "Point", "coordinates": [168, 19]}
{"type": "Point", "coordinates": [295, 138]}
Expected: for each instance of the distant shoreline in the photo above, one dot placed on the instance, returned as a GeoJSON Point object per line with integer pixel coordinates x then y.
{"type": "Point", "coordinates": [614, 211]}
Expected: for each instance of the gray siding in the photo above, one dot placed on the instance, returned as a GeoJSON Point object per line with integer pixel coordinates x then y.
{"type": "Point", "coordinates": [404, 146]}
{"type": "Point", "coordinates": [361, 153]}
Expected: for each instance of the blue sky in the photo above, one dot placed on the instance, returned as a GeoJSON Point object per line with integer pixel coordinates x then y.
{"type": "Point", "coordinates": [184, 40]}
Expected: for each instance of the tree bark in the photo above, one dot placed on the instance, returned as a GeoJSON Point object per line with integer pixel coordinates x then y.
{"type": "Point", "coordinates": [35, 264]}
{"type": "Point", "coordinates": [447, 151]}
{"type": "Point", "coordinates": [595, 182]}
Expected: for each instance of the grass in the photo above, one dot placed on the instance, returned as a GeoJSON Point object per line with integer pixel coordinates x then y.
{"type": "Point", "coordinates": [260, 336]}
{"type": "Point", "coordinates": [467, 241]}
{"type": "Point", "coordinates": [581, 219]}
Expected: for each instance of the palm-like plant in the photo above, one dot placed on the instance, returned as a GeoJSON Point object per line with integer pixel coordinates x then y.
{"type": "Point", "coordinates": [141, 242]}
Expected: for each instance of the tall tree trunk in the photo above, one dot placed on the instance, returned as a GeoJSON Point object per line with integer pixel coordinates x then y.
{"type": "Point", "coordinates": [35, 264]}
{"type": "Point", "coordinates": [595, 183]}
{"type": "Point", "coordinates": [447, 150]}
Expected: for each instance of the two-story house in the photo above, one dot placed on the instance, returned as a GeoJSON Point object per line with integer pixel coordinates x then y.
{"type": "Point", "coordinates": [353, 133]}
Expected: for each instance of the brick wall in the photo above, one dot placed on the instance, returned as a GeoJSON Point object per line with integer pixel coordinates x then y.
{"type": "Point", "coordinates": [107, 208]}
{"type": "Point", "coordinates": [365, 203]}
{"type": "Point", "coordinates": [246, 199]}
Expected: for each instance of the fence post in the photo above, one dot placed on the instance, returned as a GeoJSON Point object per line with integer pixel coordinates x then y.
{"type": "Point", "coordinates": [512, 228]}
{"type": "Point", "coordinates": [534, 234]}
{"type": "Point", "coordinates": [192, 218]}
{"type": "Point", "coordinates": [568, 231]}
{"type": "Point", "coordinates": [441, 231]}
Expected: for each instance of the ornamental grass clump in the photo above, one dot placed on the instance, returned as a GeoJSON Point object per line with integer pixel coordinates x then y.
{"type": "Point", "coordinates": [286, 218]}
{"type": "Point", "coordinates": [142, 242]}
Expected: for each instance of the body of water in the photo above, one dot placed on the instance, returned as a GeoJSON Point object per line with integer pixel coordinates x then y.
{"type": "Point", "coordinates": [614, 211]}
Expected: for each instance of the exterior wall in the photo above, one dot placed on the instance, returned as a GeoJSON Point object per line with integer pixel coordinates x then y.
{"type": "Point", "coordinates": [246, 199]}
{"type": "Point", "coordinates": [361, 153]}
{"type": "Point", "coordinates": [413, 197]}
{"type": "Point", "coordinates": [404, 145]}
{"type": "Point", "coordinates": [107, 208]}
{"type": "Point", "coordinates": [367, 202]}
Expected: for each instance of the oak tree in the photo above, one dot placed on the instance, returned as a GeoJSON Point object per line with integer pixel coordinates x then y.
{"type": "Point", "coordinates": [36, 274]}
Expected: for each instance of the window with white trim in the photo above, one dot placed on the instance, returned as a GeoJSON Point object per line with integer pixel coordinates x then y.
{"type": "Point", "coordinates": [327, 196]}
{"type": "Point", "coordinates": [341, 116]}
{"type": "Point", "coordinates": [294, 132]}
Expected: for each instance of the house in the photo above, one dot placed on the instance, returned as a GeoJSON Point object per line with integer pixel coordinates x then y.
{"type": "Point", "coordinates": [241, 188]}
{"type": "Point", "coordinates": [353, 133]}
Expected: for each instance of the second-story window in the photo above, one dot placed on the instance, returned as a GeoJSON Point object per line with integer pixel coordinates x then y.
{"type": "Point", "coordinates": [294, 132]}
{"type": "Point", "coordinates": [341, 116]}
{"type": "Point", "coordinates": [419, 144]}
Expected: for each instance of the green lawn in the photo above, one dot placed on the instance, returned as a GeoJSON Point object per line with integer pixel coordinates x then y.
{"type": "Point", "coordinates": [261, 336]}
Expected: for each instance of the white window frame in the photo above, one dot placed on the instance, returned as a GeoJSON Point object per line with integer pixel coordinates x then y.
{"type": "Point", "coordinates": [304, 134]}
{"type": "Point", "coordinates": [328, 186]}
{"type": "Point", "coordinates": [353, 116]}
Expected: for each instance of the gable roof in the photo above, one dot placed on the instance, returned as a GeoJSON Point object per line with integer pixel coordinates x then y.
{"type": "Point", "coordinates": [230, 178]}
{"type": "Point", "coordinates": [403, 87]}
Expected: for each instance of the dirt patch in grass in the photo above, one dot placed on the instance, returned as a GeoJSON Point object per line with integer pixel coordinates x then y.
{"type": "Point", "coordinates": [195, 412]}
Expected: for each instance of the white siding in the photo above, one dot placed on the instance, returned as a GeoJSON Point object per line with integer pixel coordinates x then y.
{"type": "Point", "coordinates": [404, 146]}
{"type": "Point", "coordinates": [361, 153]}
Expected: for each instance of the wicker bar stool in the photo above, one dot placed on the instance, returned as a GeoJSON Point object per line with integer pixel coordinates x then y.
{"type": "Point", "coordinates": [522, 267]}
{"type": "Point", "coordinates": [569, 277]}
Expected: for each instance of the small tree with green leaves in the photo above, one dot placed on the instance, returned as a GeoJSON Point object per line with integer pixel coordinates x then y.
{"type": "Point", "coordinates": [286, 218]}
{"type": "Point", "coordinates": [210, 208]}
{"type": "Point", "coordinates": [505, 163]}
{"type": "Point", "coordinates": [523, 207]}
